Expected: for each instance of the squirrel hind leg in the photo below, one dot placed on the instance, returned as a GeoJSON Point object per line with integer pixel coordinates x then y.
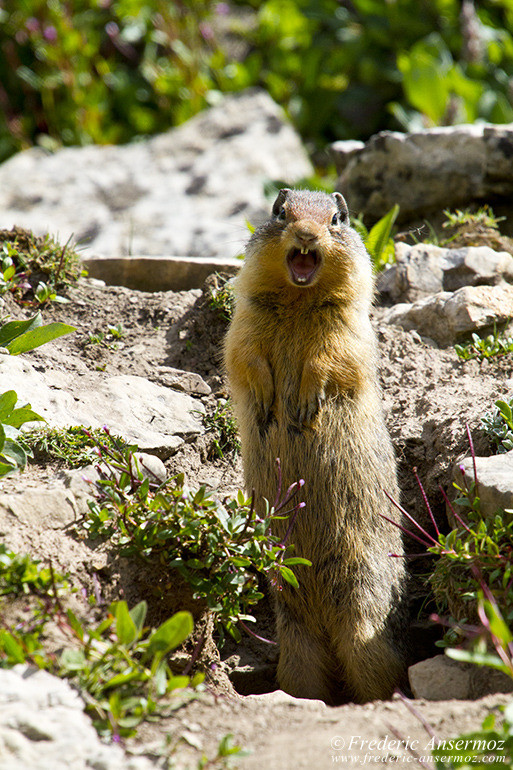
{"type": "Point", "coordinates": [372, 667]}
{"type": "Point", "coordinates": [303, 664]}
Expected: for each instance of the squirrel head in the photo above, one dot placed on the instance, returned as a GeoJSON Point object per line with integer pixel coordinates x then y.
{"type": "Point", "coordinates": [307, 245]}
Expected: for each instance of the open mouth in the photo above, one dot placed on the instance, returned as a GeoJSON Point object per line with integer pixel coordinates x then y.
{"type": "Point", "coordinates": [303, 265]}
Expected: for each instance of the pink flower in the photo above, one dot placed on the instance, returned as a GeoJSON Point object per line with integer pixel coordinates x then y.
{"type": "Point", "coordinates": [206, 31]}
{"type": "Point", "coordinates": [50, 34]}
{"type": "Point", "coordinates": [32, 24]}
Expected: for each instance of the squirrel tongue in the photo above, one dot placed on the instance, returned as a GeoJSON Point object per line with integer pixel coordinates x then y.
{"type": "Point", "coordinates": [303, 264]}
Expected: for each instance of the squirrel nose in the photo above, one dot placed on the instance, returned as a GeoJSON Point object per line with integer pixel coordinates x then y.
{"type": "Point", "coordinates": [306, 236]}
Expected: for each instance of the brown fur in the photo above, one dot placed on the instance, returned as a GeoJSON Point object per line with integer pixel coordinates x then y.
{"type": "Point", "coordinates": [301, 363]}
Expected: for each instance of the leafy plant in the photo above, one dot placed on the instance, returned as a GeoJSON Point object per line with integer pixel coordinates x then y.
{"type": "Point", "coordinates": [477, 551]}
{"type": "Point", "coordinates": [217, 547]}
{"type": "Point", "coordinates": [483, 217]}
{"type": "Point", "coordinates": [498, 424]}
{"type": "Point", "coordinates": [13, 455]}
{"type": "Point", "coordinates": [227, 751]}
{"type": "Point", "coordinates": [102, 72]}
{"type": "Point", "coordinates": [74, 445]}
{"type": "Point", "coordinates": [378, 240]}
{"type": "Point", "coordinates": [45, 293]}
{"type": "Point", "coordinates": [116, 331]}
{"type": "Point", "coordinates": [106, 339]}
{"type": "Point", "coordinates": [106, 73]}
{"type": "Point", "coordinates": [19, 337]}
{"type": "Point", "coordinates": [123, 666]}
{"type": "Point", "coordinates": [224, 429]}
{"type": "Point", "coordinates": [10, 279]}
{"type": "Point", "coordinates": [33, 267]}
{"type": "Point", "coordinates": [22, 336]}
{"type": "Point", "coordinates": [485, 347]}
{"type": "Point", "coordinates": [20, 574]}
{"type": "Point", "coordinates": [222, 299]}
{"type": "Point", "coordinates": [478, 749]}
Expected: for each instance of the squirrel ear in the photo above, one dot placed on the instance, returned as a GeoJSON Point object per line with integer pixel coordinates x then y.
{"type": "Point", "coordinates": [278, 203]}
{"type": "Point", "coordinates": [342, 208]}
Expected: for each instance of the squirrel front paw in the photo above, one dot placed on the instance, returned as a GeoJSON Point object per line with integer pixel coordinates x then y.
{"type": "Point", "coordinates": [309, 407]}
{"type": "Point", "coordinates": [261, 385]}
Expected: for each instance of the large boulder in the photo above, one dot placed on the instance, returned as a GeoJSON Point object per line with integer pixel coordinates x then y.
{"type": "Point", "coordinates": [156, 418]}
{"type": "Point", "coordinates": [425, 170]}
{"type": "Point", "coordinates": [43, 725]}
{"type": "Point", "coordinates": [448, 317]}
{"type": "Point", "coordinates": [187, 192]}
{"type": "Point", "coordinates": [425, 269]}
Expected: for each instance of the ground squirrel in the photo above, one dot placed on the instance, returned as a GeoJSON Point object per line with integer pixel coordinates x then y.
{"type": "Point", "coordinates": [301, 361]}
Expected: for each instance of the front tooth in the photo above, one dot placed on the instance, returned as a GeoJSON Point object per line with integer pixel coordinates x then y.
{"type": "Point", "coordinates": [304, 250]}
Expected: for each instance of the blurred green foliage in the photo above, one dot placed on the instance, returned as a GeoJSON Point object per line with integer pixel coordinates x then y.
{"type": "Point", "coordinates": [112, 70]}
{"type": "Point", "coordinates": [349, 68]}
{"type": "Point", "coordinates": [100, 71]}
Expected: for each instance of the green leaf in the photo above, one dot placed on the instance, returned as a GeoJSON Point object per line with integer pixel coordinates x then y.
{"type": "Point", "coordinates": [489, 721]}
{"type": "Point", "coordinates": [497, 625]}
{"type": "Point", "coordinates": [22, 415]}
{"type": "Point", "coordinates": [506, 412]}
{"type": "Point", "coordinates": [138, 615]}
{"type": "Point", "coordinates": [479, 658]}
{"type": "Point", "coordinates": [178, 683]}
{"type": "Point", "coordinates": [7, 404]}
{"type": "Point", "coordinates": [15, 452]}
{"type": "Point", "coordinates": [14, 329]}
{"type": "Point", "coordinates": [123, 678]}
{"type": "Point", "coordinates": [379, 236]}
{"type": "Point", "coordinates": [126, 629]}
{"type": "Point", "coordinates": [171, 633]}
{"type": "Point", "coordinates": [6, 468]}
{"type": "Point", "coordinates": [160, 679]}
{"type": "Point", "coordinates": [11, 647]}
{"type": "Point", "coordinates": [75, 624]}
{"type": "Point", "coordinates": [36, 337]}
{"type": "Point", "coordinates": [72, 660]}
{"type": "Point", "coordinates": [297, 560]}
{"type": "Point", "coordinates": [289, 576]}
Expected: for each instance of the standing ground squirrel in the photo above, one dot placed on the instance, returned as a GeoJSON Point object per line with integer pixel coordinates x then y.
{"type": "Point", "coordinates": [300, 356]}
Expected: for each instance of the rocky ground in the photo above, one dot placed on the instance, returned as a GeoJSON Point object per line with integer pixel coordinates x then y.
{"type": "Point", "coordinates": [171, 342]}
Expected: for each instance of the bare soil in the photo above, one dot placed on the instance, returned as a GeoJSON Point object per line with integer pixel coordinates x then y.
{"type": "Point", "coordinates": [429, 397]}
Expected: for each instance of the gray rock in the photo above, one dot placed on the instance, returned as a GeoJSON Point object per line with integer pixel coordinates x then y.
{"type": "Point", "coordinates": [43, 725]}
{"type": "Point", "coordinates": [189, 382]}
{"type": "Point", "coordinates": [495, 479]}
{"type": "Point", "coordinates": [416, 273]}
{"type": "Point", "coordinates": [187, 192]}
{"type": "Point", "coordinates": [446, 317]}
{"type": "Point", "coordinates": [158, 273]}
{"type": "Point", "coordinates": [425, 269]}
{"type": "Point", "coordinates": [156, 418]}
{"type": "Point", "coordinates": [434, 168]}
{"type": "Point", "coordinates": [55, 505]}
{"type": "Point", "coordinates": [47, 507]}
{"type": "Point", "coordinates": [441, 678]}
{"type": "Point", "coordinates": [343, 151]}
{"type": "Point", "coordinates": [150, 466]}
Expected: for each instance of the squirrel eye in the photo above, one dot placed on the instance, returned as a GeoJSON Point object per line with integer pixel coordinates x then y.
{"type": "Point", "coordinates": [283, 214]}
{"type": "Point", "coordinates": [335, 220]}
